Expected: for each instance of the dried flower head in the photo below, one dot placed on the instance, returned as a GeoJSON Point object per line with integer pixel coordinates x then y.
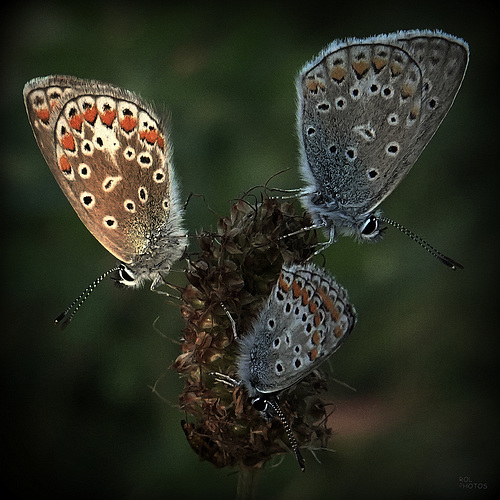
{"type": "Point", "coordinates": [238, 267]}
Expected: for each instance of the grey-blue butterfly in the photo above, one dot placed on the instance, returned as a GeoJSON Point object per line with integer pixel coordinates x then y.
{"type": "Point", "coordinates": [367, 109]}
{"type": "Point", "coordinates": [306, 318]}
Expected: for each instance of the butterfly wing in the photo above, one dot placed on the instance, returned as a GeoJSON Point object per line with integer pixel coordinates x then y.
{"type": "Point", "coordinates": [367, 109]}
{"type": "Point", "coordinates": [305, 320]}
{"type": "Point", "coordinates": [110, 154]}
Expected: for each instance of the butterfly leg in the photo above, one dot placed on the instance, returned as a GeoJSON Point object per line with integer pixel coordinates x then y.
{"type": "Point", "coordinates": [233, 323]}
{"type": "Point", "coordinates": [325, 244]}
{"type": "Point", "coordinates": [159, 281]}
{"type": "Point", "coordinates": [225, 379]}
{"type": "Point", "coordinates": [290, 194]}
{"type": "Point", "coordinates": [303, 230]}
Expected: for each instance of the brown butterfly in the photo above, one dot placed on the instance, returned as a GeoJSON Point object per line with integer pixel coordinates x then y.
{"type": "Point", "coordinates": [110, 154]}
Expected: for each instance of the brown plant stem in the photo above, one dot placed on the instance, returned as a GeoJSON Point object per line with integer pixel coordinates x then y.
{"type": "Point", "coordinates": [247, 483]}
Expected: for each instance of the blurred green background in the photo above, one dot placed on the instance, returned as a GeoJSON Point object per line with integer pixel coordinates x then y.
{"type": "Point", "coordinates": [79, 412]}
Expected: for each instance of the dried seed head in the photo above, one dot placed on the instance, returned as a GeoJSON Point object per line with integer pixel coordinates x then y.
{"type": "Point", "coordinates": [238, 267]}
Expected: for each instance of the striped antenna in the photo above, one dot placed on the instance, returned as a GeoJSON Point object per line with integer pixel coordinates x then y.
{"type": "Point", "coordinates": [72, 309]}
{"type": "Point", "coordinates": [291, 438]}
{"type": "Point", "coordinates": [453, 264]}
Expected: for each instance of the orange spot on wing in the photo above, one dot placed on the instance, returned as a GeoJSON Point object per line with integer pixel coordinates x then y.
{"type": "Point", "coordinates": [338, 332]}
{"type": "Point", "coordinates": [283, 284]}
{"type": "Point", "coordinates": [313, 354]}
{"type": "Point", "coordinates": [316, 338]}
{"type": "Point", "coordinates": [360, 67]}
{"type": "Point", "coordinates": [43, 114]}
{"type": "Point", "coordinates": [296, 289]}
{"type": "Point", "coordinates": [68, 142]}
{"type": "Point", "coordinates": [152, 136]}
{"type": "Point", "coordinates": [396, 69]}
{"type": "Point", "coordinates": [75, 122]}
{"type": "Point", "coordinates": [379, 62]}
{"type": "Point", "coordinates": [314, 85]}
{"type": "Point", "coordinates": [108, 117]}
{"type": "Point", "coordinates": [64, 165]}
{"type": "Point", "coordinates": [407, 91]}
{"type": "Point", "coordinates": [305, 297]}
{"type": "Point", "coordinates": [312, 306]}
{"type": "Point", "coordinates": [329, 304]}
{"type": "Point", "coordinates": [317, 320]}
{"type": "Point", "coordinates": [414, 112]}
{"type": "Point", "coordinates": [128, 123]}
{"type": "Point", "coordinates": [338, 73]}
{"type": "Point", "coordinates": [90, 114]}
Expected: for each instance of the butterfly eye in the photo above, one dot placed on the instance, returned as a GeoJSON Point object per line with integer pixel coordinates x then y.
{"type": "Point", "coordinates": [370, 228]}
{"type": "Point", "coordinates": [125, 275]}
{"type": "Point", "coordinates": [259, 404]}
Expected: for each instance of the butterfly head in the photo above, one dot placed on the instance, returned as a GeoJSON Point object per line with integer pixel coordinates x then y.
{"type": "Point", "coordinates": [371, 229]}
{"type": "Point", "coordinates": [126, 277]}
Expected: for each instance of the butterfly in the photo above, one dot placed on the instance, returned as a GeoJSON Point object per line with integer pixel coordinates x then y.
{"type": "Point", "coordinates": [110, 153]}
{"type": "Point", "coordinates": [306, 318]}
{"type": "Point", "coordinates": [366, 110]}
